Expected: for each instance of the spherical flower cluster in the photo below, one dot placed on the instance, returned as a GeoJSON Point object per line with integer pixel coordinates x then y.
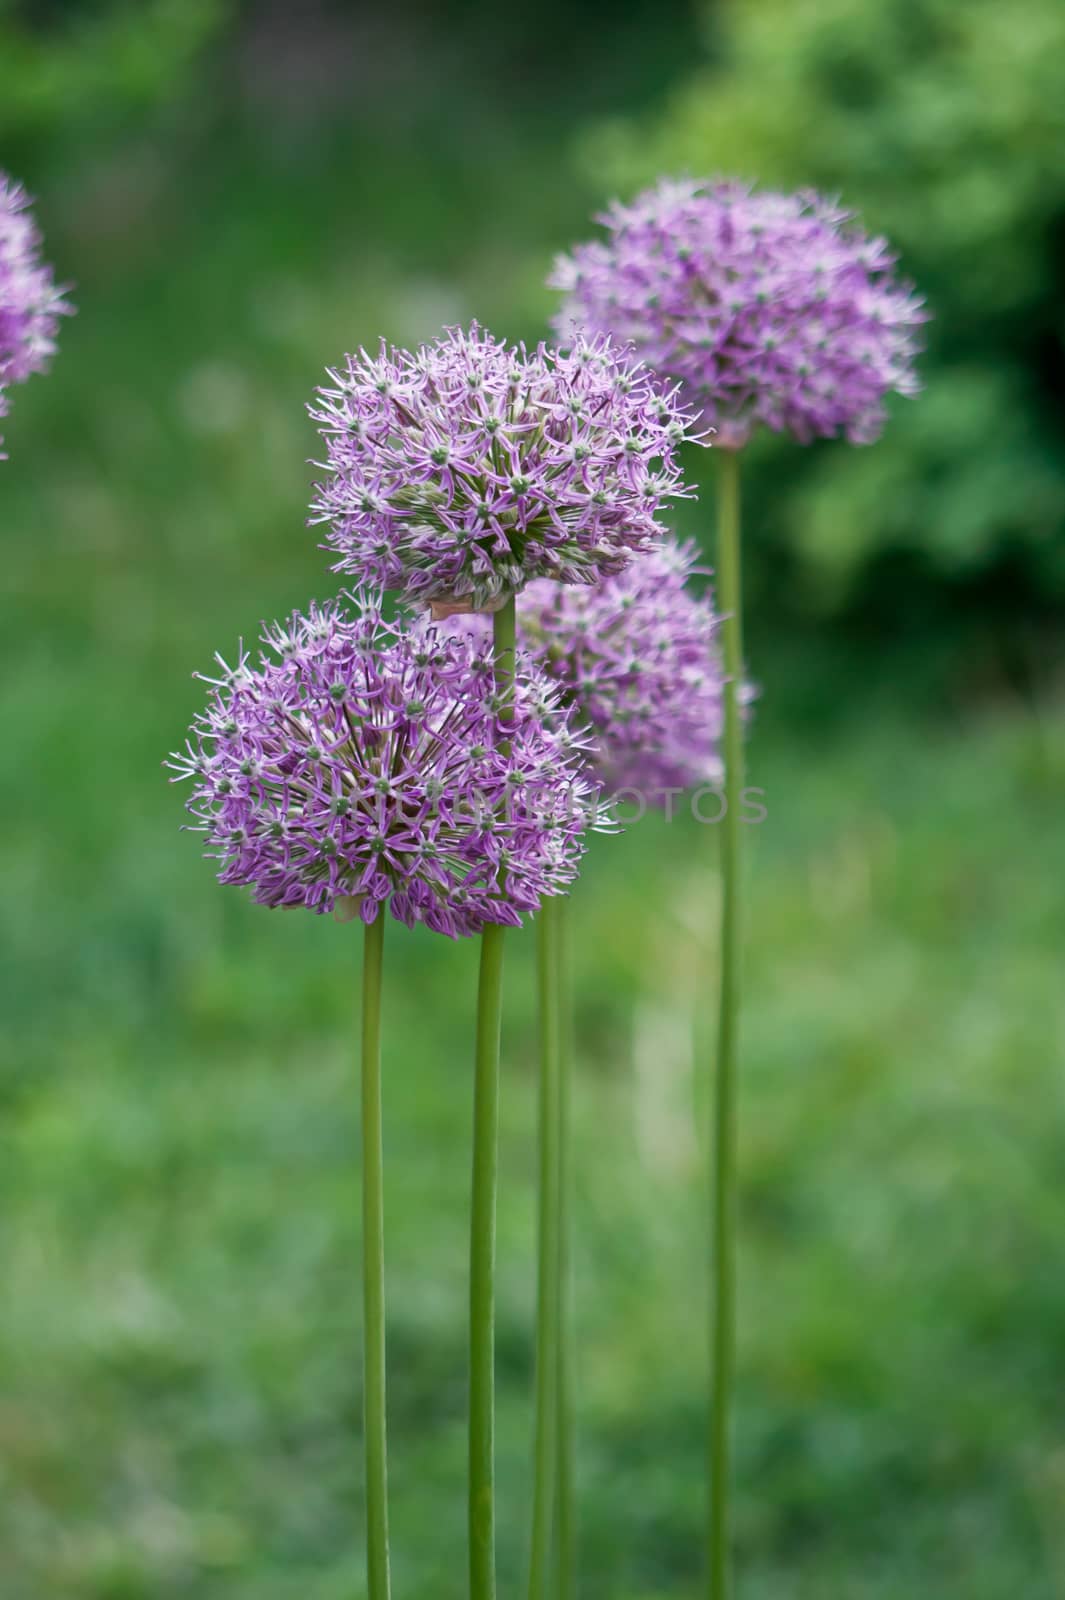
{"type": "Point", "coordinates": [30, 303]}
{"type": "Point", "coordinates": [766, 308]}
{"type": "Point", "coordinates": [637, 658]}
{"type": "Point", "coordinates": [460, 471]}
{"type": "Point", "coordinates": [358, 765]}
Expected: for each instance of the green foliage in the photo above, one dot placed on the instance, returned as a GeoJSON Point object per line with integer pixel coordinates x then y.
{"type": "Point", "coordinates": [59, 74]}
{"type": "Point", "coordinates": [943, 125]}
{"type": "Point", "coordinates": [180, 1195]}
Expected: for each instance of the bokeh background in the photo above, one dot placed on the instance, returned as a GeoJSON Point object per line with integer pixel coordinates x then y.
{"type": "Point", "coordinates": [240, 193]}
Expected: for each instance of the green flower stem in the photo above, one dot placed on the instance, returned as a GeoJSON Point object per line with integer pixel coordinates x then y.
{"type": "Point", "coordinates": [482, 1268]}
{"type": "Point", "coordinates": [373, 1268]}
{"type": "Point", "coordinates": [723, 1107]}
{"type": "Point", "coordinates": [565, 1520]}
{"type": "Point", "coordinates": [548, 1285]}
{"type": "Point", "coordinates": [504, 630]}
{"type": "Point", "coordinates": [483, 1202]}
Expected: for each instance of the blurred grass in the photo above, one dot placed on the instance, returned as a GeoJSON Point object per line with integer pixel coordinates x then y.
{"type": "Point", "coordinates": [180, 1408]}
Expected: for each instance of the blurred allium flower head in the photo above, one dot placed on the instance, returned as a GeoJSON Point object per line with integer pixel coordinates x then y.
{"type": "Point", "coordinates": [30, 303]}
{"type": "Point", "coordinates": [636, 657]}
{"type": "Point", "coordinates": [460, 471]}
{"type": "Point", "coordinates": [766, 308]}
{"type": "Point", "coordinates": [357, 765]}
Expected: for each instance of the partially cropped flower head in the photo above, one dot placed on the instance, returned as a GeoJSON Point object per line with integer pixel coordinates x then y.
{"type": "Point", "coordinates": [460, 471]}
{"type": "Point", "coordinates": [766, 308]}
{"type": "Point", "coordinates": [357, 765]}
{"type": "Point", "coordinates": [636, 657]}
{"type": "Point", "coordinates": [30, 303]}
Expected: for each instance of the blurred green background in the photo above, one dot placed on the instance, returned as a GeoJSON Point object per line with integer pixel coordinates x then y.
{"type": "Point", "coordinates": [240, 194]}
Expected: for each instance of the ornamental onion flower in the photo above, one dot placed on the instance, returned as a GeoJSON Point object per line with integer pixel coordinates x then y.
{"type": "Point", "coordinates": [358, 765]}
{"type": "Point", "coordinates": [766, 308]}
{"type": "Point", "coordinates": [30, 303]}
{"type": "Point", "coordinates": [637, 659]}
{"type": "Point", "coordinates": [460, 471]}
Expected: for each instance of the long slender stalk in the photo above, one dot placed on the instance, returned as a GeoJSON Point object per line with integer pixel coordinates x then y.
{"type": "Point", "coordinates": [373, 1268]}
{"type": "Point", "coordinates": [723, 1110]}
{"type": "Point", "coordinates": [504, 631]}
{"type": "Point", "coordinates": [483, 1203]}
{"type": "Point", "coordinates": [565, 1518]}
{"type": "Point", "coordinates": [545, 1459]}
{"type": "Point", "coordinates": [482, 1268]}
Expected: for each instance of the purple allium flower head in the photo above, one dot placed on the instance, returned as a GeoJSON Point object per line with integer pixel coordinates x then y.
{"type": "Point", "coordinates": [358, 765]}
{"type": "Point", "coordinates": [30, 303]}
{"type": "Point", "coordinates": [765, 308]}
{"type": "Point", "coordinates": [637, 658]}
{"type": "Point", "coordinates": [462, 470]}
